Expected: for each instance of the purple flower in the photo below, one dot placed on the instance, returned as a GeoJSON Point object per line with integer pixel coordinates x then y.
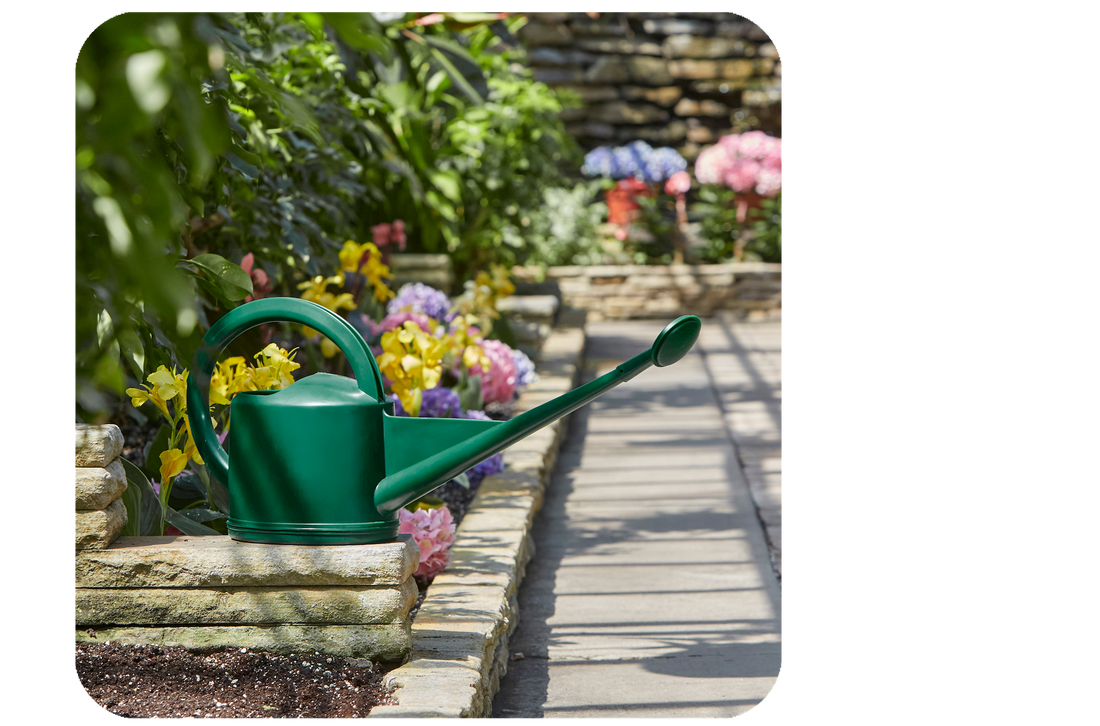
{"type": "Point", "coordinates": [436, 402]}
{"type": "Point", "coordinates": [420, 298]}
{"type": "Point", "coordinates": [525, 370]}
{"type": "Point", "coordinates": [493, 465]}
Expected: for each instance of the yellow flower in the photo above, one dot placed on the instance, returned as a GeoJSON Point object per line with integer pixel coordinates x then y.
{"type": "Point", "coordinates": [172, 462]}
{"type": "Point", "coordinates": [190, 450]}
{"type": "Point", "coordinates": [352, 254]}
{"type": "Point", "coordinates": [274, 371]}
{"type": "Point", "coordinates": [316, 290]}
{"type": "Point", "coordinates": [165, 385]}
{"type": "Point", "coordinates": [465, 344]}
{"type": "Point", "coordinates": [229, 378]}
{"type": "Point", "coordinates": [413, 361]}
{"type": "Point", "coordinates": [366, 259]}
{"type": "Point", "coordinates": [139, 396]}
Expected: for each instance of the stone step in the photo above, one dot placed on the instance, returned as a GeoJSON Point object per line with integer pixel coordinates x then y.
{"type": "Point", "coordinates": [388, 643]}
{"type": "Point", "coordinates": [244, 606]}
{"type": "Point", "coordinates": [199, 562]}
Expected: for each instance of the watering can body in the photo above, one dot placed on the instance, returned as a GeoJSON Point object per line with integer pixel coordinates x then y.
{"type": "Point", "coordinates": [325, 461]}
{"type": "Point", "coordinates": [301, 461]}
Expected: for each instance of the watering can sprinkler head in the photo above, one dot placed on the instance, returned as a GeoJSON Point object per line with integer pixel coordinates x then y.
{"type": "Point", "coordinates": [325, 461]}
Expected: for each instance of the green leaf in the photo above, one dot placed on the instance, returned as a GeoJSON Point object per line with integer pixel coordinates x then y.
{"type": "Point", "coordinates": [456, 76]}
{"type": "Point", "coordinates": [146, 505]}
{"type": "Point", "coordinates": [188, 486]}
{"type": "Point", "coordinates": [350, 28]}
{"type": "Point", "coordinates": [469, 392]}
{"type": "Point", "coordinates": [448, 183]}
{"type": "Point", "coordinates": [195, 514]}
{"type": "Point", "coordinates": [186, 525]}
{"type": "Point", "coordinates": [462, 480]}
{"type": "Point", "coordinates": [247, 170]}
{"type": "Point", "coordinates": [232, 282]}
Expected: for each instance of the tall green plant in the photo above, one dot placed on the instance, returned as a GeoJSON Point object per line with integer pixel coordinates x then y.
{"type": "Point", "coordinates": [140, 103]}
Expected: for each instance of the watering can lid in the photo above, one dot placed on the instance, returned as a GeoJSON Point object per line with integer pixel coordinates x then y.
{"type": "Point", "coordinates": [318, 389]}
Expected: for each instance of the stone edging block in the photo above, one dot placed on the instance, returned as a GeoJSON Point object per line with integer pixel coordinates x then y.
{"type": "Point", "coordinates": [97, 445]}
{"type": "Point", "coordinates": [96, 528]}
{"type": "Point", "coordinates": [98, 486]}
{"type": "Point", "coordinates": [460, 635]}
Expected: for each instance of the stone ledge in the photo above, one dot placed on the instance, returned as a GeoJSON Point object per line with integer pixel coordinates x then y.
{"type": "Point", "coordinates": [194, 562]}
{"type": "Point", "coordinates": [460, 635]}
{"type": "Point", "coordinates": [383, 642]}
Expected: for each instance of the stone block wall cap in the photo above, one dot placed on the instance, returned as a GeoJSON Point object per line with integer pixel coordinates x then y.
{"type": "Point", "coordinates": [530, 305]}
{"type": "Point", "coordinates": [411, 261]}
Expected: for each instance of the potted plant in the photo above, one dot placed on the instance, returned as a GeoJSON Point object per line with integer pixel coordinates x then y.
{"type": "Point", "coordinates": [638, 167]}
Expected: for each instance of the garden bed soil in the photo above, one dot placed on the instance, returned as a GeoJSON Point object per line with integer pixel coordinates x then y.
{"type": "Point", "coordinates": [171, 682]}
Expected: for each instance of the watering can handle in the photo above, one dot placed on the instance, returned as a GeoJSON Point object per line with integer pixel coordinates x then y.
{"type": "Point", "coordinates": [249, 315]}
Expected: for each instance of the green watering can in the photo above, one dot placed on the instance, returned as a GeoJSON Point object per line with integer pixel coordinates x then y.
{"type": "Point", "coordinates": [325, 461]}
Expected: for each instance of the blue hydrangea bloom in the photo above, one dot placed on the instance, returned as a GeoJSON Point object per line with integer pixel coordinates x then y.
{"type": "Point", "coordinates": [663, 163]}
{"type": "Point", "coordinates": [599, 162]}
{"type": "Point", "coordinates": [421, 298]}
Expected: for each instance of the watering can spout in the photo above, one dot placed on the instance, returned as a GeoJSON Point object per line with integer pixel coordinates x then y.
{"type": "Point", "coordinates": [475, 441]}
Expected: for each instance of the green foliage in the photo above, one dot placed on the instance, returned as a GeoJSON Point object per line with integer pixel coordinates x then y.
{"type": "Point", "coordinates": [767, 227]}
{"type": "Point", "coordinates": [139, 102]}
{"type": "Point", "coordinates": [720, 228]}
{"type": "Point", "coordinates": [562, 230]}
{"type": "Point", "coordinates": [202, 138]}
{"type": "Point", "coordinates": [758, 238]}
{"type": "Point", "coordinates": [658, 220]}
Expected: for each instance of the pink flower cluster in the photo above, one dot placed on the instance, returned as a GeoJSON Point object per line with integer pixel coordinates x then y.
{"type": "Point", "coordinates": [396, 320]}
{"type": "Point", "coordinates": [386, 234]}
{"type": "Point", "coordinates": [744, 162]}
{"type": "Point", "coordinates": [678, 183]}
{"type": "Point", "coordinates": [433, 530]}
{"type": "Point", "coordinates": [499, 382]}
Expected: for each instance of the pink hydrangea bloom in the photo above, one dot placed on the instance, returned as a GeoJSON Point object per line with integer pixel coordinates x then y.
{"type": "Point", "coordinates": [751, 161]}
{"type": "Point", "coordinates": [396, 320]}
{"type": "Point", "coordinates": [678, 183]}
{"type": "Point", "coordinates": [499, 382]}
{"type": "Point", "coordinates": [433, 530]}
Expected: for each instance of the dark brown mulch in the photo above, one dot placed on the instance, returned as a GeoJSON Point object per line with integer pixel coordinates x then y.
{"type": "Point", "coordinates": [171, 682]}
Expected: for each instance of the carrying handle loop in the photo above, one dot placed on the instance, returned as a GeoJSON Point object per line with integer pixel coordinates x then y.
{"type": "Point", "coordinates": [249, 315]}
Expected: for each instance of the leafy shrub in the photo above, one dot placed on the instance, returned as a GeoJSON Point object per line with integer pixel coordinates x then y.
{"type": "Point", "coordinates": [205, 140]}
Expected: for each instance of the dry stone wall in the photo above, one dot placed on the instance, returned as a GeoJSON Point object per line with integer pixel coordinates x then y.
{"type": "Point", "coordinates": [671, 79]}
{"type": "Point", "coordinates": [100, 482]}
{"type": "Point", "coordinates": [621, 292]}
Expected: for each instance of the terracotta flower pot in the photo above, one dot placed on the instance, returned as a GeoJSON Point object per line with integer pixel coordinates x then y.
{"type": "Point", "coordinates": [621, 203]}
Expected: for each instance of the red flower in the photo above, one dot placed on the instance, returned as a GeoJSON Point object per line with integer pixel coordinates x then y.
{"type": "Point", "coordinates": [261, 285]}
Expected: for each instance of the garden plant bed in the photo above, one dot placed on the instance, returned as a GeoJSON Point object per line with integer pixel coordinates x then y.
{"type": "Point", "coordinates": [461, 621]}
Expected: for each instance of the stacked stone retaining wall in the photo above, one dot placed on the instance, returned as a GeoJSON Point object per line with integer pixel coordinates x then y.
{"type": "Point", "coordinates": [619, 292]}
{"type": "Point", "coordinates": [672, 79]}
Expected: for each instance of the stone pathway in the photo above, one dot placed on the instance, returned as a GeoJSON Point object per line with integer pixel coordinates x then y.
{"type": "Point", "coordinates": [652, 592]}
